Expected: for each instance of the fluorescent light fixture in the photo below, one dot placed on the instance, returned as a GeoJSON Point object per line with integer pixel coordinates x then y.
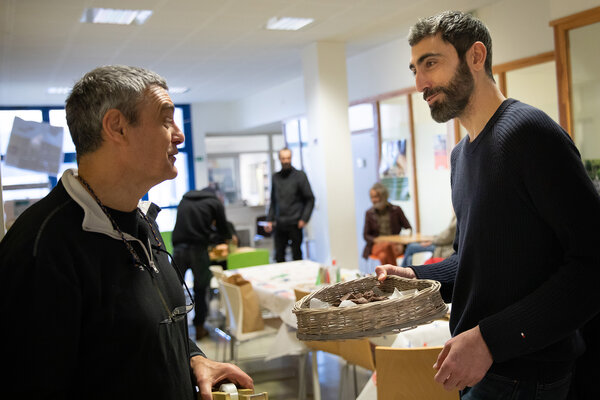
{"type": "Point", "coordinates": [179, 89]}
{"type": "Point", "coordinates": [288, 23]}
{"type": "Point", "coordinates": [115, 16]}
{"type": "Point", "coordinates": [59, 90]}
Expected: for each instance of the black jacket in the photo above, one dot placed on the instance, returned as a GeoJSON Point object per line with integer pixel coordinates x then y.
{"type": "Point", "coordinates": [79, 320]}
{"type": "Point", "coordinates": [195, 214]}
{"type": "Point", "coordinates": [291, 198]}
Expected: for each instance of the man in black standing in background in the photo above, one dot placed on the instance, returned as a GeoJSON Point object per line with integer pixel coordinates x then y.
{"type": "Point", "coordinates": [193, 228]}
{"type": "Point", "coordinates": [292, 202]}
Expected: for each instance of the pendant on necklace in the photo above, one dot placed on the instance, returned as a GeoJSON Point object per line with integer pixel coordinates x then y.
{"type": "Point", "coordinates": [153, 266]}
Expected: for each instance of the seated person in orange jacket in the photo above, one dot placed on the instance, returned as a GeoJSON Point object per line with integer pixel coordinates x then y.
{"type": "Point", "coordinates": [382, 219]}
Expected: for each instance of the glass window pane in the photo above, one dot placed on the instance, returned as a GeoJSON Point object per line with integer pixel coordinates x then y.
{"type": "Point", "coordinates": [535, 85]}
{"type": "Point", "coordinates": [395, 168]}
{"type": "Point", "coordinates": [254, 178]}
{"type": "Point", "coordinates": [292, 133]}
{"type": "Point", "coordinates": [166, 219]}
{"type": "Point", "coordinates": [12, 176]}
{"type": "Point", "coordinates": [585, 77]}
{"type": "Point", "coordinates": [6, 122]}
{"type": "Point", "coordinates": [65, 166]}
{"type": "Point", "coordinates": [178, 118]}
{"type": "Point", "coordinates": [223, 171]}
{"type": "Point", "coordinates": [432, 151]}
{"type": "Point", "coordinates": [22, 199]}
{"type": "Point", "coordinates": [360, 117]}
{"type": "Point", "coordinates": [58, 118]}
{"type": "Point", "coordinates": [304, 131]}
{"type": "Point", "coordinates": [394, 119]}
{"type": "Point", "coordinates": [170, 192]}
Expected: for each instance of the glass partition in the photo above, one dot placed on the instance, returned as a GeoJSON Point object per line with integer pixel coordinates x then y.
{"type": "Point", "coordinates": [585, 95]}
{"type": "Point", "coordinates": [433, 143]}
{"type": "Point", "coordinates": [536, 86]}
{"type": "Point", "coordinates": [396, 162]}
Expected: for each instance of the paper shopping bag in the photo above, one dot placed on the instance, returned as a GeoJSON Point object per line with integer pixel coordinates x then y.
{"type": "Point", "coordinates": [251, 318]}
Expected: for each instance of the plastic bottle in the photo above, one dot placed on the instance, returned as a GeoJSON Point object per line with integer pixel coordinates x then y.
{"type": "Point", "coordinates": [336, 269]}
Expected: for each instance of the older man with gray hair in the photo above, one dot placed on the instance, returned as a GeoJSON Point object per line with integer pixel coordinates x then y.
{"type": "Point", "coordinates": [92, 306]}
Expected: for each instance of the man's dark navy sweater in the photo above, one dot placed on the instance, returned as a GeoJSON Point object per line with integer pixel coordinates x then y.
{"type": "Point", "coordinates": [526, 267]}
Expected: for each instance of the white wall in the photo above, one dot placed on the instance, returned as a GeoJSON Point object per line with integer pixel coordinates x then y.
{"type": "Point", "coordinates": [519, 28]}
{"type": "Point", "coordinates": [379, 70]}
{"type": "Point", "coordinates": [275, 104]}
{"type": "Point", "coordinates": [562, 8]}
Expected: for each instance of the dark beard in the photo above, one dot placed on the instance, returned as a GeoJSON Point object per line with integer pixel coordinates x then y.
{"type": "Point", "coordinates": [458, 93]}
{"type": "Point", "coordinates": [286, 170]}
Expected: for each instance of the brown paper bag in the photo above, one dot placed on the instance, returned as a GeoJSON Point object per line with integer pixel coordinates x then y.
{"type": "Point", "coordinates": [252, 318]}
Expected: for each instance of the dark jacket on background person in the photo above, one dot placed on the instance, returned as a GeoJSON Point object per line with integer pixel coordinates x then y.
{"type": "Point", "coordinates": [195, 214]}
{"type": "Point", "coordinates": [398, 221]}
{"type": "Point", "coordinates": [291, 198]}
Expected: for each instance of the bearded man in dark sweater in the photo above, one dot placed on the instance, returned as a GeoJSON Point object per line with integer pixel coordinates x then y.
{"type": "Point", "coordinates": [292, 202]}
{"type": "Point", "coordinates": [524, 274]}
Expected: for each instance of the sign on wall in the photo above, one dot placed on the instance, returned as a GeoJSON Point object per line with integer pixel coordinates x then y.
{"type": "Point", "coordinates": [35, 146]}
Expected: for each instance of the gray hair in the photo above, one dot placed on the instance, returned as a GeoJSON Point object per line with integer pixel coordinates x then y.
{"type": "Point", "coordinates": [114, 86]}
{"type": "Point", "coordinates": [381, 190]}
{"type": "Point", "coordinates": [459, 29]}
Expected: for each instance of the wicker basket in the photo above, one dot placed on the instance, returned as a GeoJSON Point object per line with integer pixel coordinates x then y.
{"type": "Point", "coordinates": [371, 319]}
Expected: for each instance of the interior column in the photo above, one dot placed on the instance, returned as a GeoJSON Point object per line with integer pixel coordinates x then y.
{"type": "Point", "coordinates": [329, 161]}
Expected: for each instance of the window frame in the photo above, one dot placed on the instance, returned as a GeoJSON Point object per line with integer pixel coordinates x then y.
{"type": "Point", "coordinates": [188, 145]}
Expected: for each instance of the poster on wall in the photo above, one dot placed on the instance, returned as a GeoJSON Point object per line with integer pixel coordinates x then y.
{"type": "Point", "coordinates": [593, 169]}
{"type": "Point", "coordinates": [35, 146]}
{"type": "Point", "coordinates": [440, 152]}
{"type": "Point", "coordinates": [393, 169]}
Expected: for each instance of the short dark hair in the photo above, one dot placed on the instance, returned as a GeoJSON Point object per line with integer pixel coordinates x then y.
{"type": "Point", "coordinates": [457, 28]}
{"type": "Point", "coordinates": [114, 86]}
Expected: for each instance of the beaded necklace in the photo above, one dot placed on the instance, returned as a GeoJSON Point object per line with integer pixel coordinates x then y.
{"type": "Point", "coordinates": [137, 261]}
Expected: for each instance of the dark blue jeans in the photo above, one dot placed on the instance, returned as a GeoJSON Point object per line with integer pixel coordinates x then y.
{"type": "Point", "coordinates": [496, 387]}
{"type": "Point", "coordinates": [413, 248]}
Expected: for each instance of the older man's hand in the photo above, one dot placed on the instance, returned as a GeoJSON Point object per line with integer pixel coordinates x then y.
{"type": "Point", "coordinates": [208, 373]}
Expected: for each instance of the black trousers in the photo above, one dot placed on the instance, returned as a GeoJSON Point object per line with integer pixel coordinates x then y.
{"type": "Point", "coordinates": [195, 256]}
{"type": "Point", "coordinates": [284, 235]}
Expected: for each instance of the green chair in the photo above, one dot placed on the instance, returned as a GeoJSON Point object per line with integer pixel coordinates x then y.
{"type": "Point", "coordinates": [166, 236]}
{"type": "Point", "coordinates": [248, 258]}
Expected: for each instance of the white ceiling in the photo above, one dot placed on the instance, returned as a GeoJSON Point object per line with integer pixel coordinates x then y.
{"type": "Point", "coordinates": [218, 48]}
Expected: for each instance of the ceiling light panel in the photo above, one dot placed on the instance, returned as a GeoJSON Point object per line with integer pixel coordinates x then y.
{"type": "Point", "coordinates": [288, 23]}
{"type": "Point", "coordinates": [115, 16]}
